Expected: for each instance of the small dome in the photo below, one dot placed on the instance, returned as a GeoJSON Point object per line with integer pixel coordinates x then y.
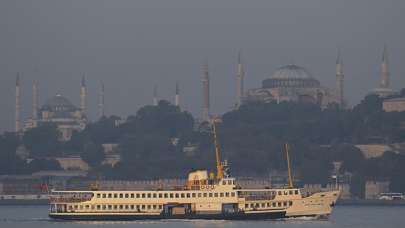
{"type": "Point", "coordinates": [59, 103]}
{"type": "Point", "coordinates": [291, 76]}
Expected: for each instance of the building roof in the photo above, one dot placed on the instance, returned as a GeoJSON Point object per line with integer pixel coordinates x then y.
{"type": "Point", "coordinates": [398, 99]}
{"type": "Point", "coordinates": [291, 76]}
{"type": "Point", "coordinates": [291, 71]}
{"type": "Point", "coordinates": [59, 103]}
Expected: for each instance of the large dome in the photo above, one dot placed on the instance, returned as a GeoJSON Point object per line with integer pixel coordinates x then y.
{"type": "Point", "coordinates": [59, 103]}
{"type": "Point", "coordinates": [291, 76]}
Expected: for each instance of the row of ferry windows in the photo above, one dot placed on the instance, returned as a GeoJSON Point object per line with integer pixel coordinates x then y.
{"type": "Point", "coordinates": [273, 204]}
{"type": "Point", "coordinates": [116, 207]}
{"type": "Point", "coordinates": [290, 192]}
{"type": "Point", "coordinates": [165, 195]}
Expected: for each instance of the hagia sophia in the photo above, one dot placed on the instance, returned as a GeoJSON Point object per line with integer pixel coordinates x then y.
{"type": "Point", "coordinates": [287, 83]}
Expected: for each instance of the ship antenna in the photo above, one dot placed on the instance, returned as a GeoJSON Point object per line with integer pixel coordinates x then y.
{"type": "Point", "coordinates": [290, 181]}
{"type": "Point", "coordinates": [217, 151]}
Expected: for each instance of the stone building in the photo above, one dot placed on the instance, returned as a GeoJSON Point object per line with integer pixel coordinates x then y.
{"type": "Point", "coordinates": [293, 83]}
{"type": "Point", "coordinates": [394, 104]}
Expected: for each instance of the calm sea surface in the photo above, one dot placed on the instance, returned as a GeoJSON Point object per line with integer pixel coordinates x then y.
{"type": "Point", "coordinates": [343, 216]}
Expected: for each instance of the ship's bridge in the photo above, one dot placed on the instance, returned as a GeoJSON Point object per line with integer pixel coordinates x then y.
{"type": "Point", "coordinates": [200, 180]}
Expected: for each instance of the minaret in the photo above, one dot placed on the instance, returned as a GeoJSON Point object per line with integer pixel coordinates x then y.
{"type": "Point", "coordinates": [83, 96]}
{"type": "Point", "coordinates": [340, 79]}
{"type": "Point", "coordinates": [177, 96]}
{"type": "Point", "coordinates": [239, 81]}
{"type": "Point", "coordinates": [206, 93]}
{"type": "Point", "coordinates": [155, 95]}
{"type": "Point", "coordinates": [17, 103]}
{"type": "Point", "coordinates": [35, 103]}
{"type": "Point", "coordinates": [385, 74]}
{"type": "Point", "coordinates": [101, 102]}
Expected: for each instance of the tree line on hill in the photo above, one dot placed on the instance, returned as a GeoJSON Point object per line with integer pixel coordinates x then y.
{"type": "Point", "coordinates": [252, 138]}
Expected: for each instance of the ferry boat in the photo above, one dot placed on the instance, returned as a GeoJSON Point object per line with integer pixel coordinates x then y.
{"type": "Point", "coordinates": [204, 196]}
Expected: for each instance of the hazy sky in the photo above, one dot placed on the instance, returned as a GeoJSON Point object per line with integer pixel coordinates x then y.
{"type": "Point", "coordinates": [132, 44]}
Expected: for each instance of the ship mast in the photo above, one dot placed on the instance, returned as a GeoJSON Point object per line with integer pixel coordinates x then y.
{"type": "Point", "coordinates": [217, 152]}
{"type": "Point", "coordinates": [290, 181]}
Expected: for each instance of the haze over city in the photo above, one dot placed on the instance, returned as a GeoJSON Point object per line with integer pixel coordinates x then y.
{"type": "Point", "coordinates": [132, 45]}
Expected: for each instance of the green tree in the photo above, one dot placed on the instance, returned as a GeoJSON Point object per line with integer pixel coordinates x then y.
{"type": "Point", "coordinates": [93, 154]}
{"type": "Point", "coordinates": [42, 141]}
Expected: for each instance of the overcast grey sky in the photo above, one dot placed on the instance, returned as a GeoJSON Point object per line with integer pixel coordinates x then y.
{"type": "Point", "coordinates": [132, 44]}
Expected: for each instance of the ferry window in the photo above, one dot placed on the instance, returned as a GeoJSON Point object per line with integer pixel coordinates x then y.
{"type": "Point", "coordinates": [121, 195]}
{"type": "Point", "coordinates": [290, 203]}
{"type": "Point", "coordinates": [126, 206]}
{"type": "Point", "coordinates": [285, 193]}
{"type": "Point", "coordinates": [296, 192]}
{"type": "Point", "coordinates": [143, 206]}
{"type": "Point", "coordinates": [154, 195]}
{"type": "Point", "coordinates": [81, 207]}
{"type": "Point", "coordinates": [274, 204]}
{"type": "Point", "coordinates": [257, 205]}
{"type": "Point", "coordinates": [104, 196]}
{"type": "Point", "coordinates": [160, 206]}
{"type": "Point", "coordinates": [182, 195]}
{"type": "Point", "coordinates": [268, 204]}
{"type": "Point", "coordinates": [216, 194]}
{"type": "Point", "coordinates": [166, 195]}
{"type": "Point", "coordinates": [290, 192]}
{"type": "Point", "coordinates": [210, 194]}
{"type": "Point", "coordinates": [232, 194]}
{"type": "Point", "coordinates": [160, 195]}
{"type": "Point", "coordinates": [143, 195]}
{"type": "Point", "coordinates": [109, 207]}
{"type": "Point", "coordinates": [199, 194]}
{"type": "Point", "coordinates": [263, 205]}
{"type": "Point", "coordinates": [154, 206]}
{"type": "Point", "coordinates": [227, 194]}
{"type": "Point", "coordinates": [223, 182]}
{"type": "Point", "coordinates": [98, 195]}
{"type": "Point", "coordinates": [221, 194]}
{"type": "Point", "coordinates": [233, 182]}
{"type": "Point", "coordinates": [92, 207]}
{"type": "Point", "coordinates": [87, 206]}
{"type": "Point", "coordinates": [177, 195]}
{"type": "Point", "coordinates": [148, 207]}
{"type": "Point", "coordinates": [115, 195]}
{"type": "Point", "coordinates": [149, 195]}
{"type": "Point", "coordinates": [279, 193]}
{"type": "Point", "coordinates": [126, 195]}
{"type": "Point", "coordinates": [229, 182]}
{"type": "Point", "coordinates": [284, 204]}
{"type": "Point", "coordinates": [75, 206]}
{"type": "Point", "coordinates": [115, 206]}
{"type": "Point", "coordinates": [171, 195]}
{"type": "Point", "coordinates": [188, 195]}
{"type": "Point", "coordinates": [279, 204]}
{"type": "Point", "coordinates": [132, 207]}
{"type": "Point", "coordinates": [252, 205]}
{"type": "Point", "coordinates": [132, 195]}
{"type": "Point", "coordinates": [121, 206]}
{"type": "Point", "coordinates": [138, 207]}
{"type": "Point", "coordinates": [109, 195]}
{"type": "Point", "coordinates": [193, 195]}
{"type": "Point", "coordinates": [205, 194]}
{"type": "Point", "coordinates": [138, 195]}
{"type": "Point", "coordinates": [246, 205]}
{"type": "Point", "coordinates": [98, 207]}
{"type": "Point", "coordinates": [104, 207]}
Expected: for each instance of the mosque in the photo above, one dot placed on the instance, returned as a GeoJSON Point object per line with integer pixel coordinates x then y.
{"type": "Point", "coordinates": [293, 83]}
{"type": "Point", "coordinates": [58, 110]}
